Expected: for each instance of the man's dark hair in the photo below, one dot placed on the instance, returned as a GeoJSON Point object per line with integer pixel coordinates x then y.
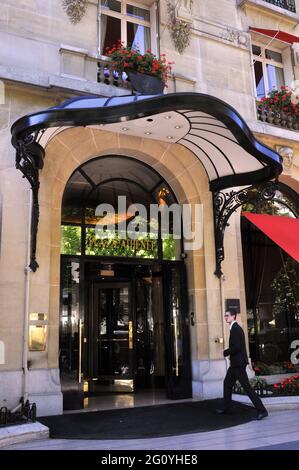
{"type": "Point", "coordinates": [233, 313]}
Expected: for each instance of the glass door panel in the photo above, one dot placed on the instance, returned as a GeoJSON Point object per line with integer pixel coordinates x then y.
{"type": "Point", "coordinates": [178, 378]}
{"type": "Point", "coordinates": [70, 341]}
{"type": "Point", "coordinates": [112, 336]}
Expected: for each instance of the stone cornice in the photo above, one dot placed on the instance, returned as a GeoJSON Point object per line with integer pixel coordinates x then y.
{"type": "Point", "coordinates": [40, 79]}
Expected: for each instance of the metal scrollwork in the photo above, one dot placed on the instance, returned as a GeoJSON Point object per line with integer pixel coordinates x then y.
{"type": "Point", "coordinates": [226, 203]}
{"type": "Point", "coordinates": [29, 160]}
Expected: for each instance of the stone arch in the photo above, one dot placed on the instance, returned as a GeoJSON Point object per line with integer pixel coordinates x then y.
{"type": "Point", "coordinates": [68, 150]}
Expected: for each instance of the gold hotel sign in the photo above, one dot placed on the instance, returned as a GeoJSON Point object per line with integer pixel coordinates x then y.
{"type": "Point", "coordinates": [136, 245]}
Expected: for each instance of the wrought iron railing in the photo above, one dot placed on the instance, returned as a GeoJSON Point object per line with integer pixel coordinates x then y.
{"type": "Point", "coordinates": [26, 413]}
{"type": "Point", "coordinates": [108, 75]}
{"type": "Point", "coordinates": [289, 5]}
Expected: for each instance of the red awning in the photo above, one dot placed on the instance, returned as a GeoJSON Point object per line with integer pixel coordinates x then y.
{"type": "Point", "coordinates": [276, 34]}
{"type": "Point", "coordinates": [284, 231]}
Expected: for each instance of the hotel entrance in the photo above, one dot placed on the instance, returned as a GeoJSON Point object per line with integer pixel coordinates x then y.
{"type": "Point", "coordinates": [123, 317]}
{"type": "Point", "coordinates": [110, 338]}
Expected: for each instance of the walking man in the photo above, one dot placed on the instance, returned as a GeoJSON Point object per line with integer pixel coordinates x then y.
{"type": "Point", "coordinates": [237, 370]}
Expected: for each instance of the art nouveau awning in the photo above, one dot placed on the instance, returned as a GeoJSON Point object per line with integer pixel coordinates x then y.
{"type": "Point", "coordinates": [210, 128]}
{"type": "Point", "coordinates": [207, 126]}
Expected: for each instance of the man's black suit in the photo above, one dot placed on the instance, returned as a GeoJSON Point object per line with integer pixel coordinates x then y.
{"type": "Point", "coordinates": [237, 369]}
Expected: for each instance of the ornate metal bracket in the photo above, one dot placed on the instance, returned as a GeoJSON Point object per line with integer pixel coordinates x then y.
{"type": "Point", "coordinates": [226, 203]}
{"type": "Point", "coordinates": [29, 160]}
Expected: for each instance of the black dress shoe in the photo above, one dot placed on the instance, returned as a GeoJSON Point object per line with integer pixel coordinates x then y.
{"type": "Point", "coordinates": [260, 415]}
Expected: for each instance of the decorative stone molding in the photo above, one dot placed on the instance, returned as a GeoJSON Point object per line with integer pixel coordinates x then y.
{"type": "Point", "coordinates": [179, 25]}
{"type": "Point", "coordinates": [287, 153]}
{"type": "Point", "coordinates": [75, 9]}
{"type": "Point", "coordinates": [218, 32]}
{"type": "Point", "coordinates": [237, 37]}
{"type": "Point", "coordinates": [183, 11]}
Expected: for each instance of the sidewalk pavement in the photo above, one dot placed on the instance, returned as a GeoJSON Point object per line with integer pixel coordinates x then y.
{"type": "Point", "coordinates": [279, 428]}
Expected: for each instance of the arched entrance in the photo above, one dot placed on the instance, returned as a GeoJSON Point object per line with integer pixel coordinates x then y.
{"type": "Point", "coordinates": [272, 289]}
{"type": "Point", "coordinates": [123, 302]}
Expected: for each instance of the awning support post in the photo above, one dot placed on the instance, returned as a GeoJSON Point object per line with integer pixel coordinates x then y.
{"type": "Point", "coordinates": [225, 203]}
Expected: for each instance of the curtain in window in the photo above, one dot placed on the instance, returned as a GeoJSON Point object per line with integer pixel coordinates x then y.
{"type": "Point", "coordinates": [139, 37]}
{"type": "Point", "coordinates": [103, 33]}
{"type": "Point", "coordinates": [275, 77]}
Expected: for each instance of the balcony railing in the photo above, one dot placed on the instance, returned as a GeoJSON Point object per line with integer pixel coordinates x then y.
{"type": "Point", "coordinates": [278, 118]}
{"type": "Point", "coordinates": [108, 75]}
{"type": "Point", "coordinates": [289, 5]}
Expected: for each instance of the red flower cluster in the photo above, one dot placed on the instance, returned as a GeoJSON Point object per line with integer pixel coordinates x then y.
{"type": "Point", "coordinates": [290, 385]}
{"type": "Point", "coordinates": [281, 100]}
{"type": "Point", "coordinates": [124, 58]}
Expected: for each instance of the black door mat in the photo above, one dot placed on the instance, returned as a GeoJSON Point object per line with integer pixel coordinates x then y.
{"type": "Point", "coordinates": [147, 421]}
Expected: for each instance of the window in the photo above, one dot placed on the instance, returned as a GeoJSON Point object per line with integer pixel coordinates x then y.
{"type": "Point", "coordinates": [272, 289]}
{"type": "Point", "coordinates": [126, 21]}
{"type": "Point", "coordinates": [268, 70]}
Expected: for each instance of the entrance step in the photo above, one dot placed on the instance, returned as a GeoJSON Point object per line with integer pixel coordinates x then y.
{"type": "Point", "coordinates": [22, 433]}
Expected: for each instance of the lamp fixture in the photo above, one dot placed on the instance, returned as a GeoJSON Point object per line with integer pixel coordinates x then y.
{"type": "Point", "coordinates": [168, 117]}
{"type": "Point", "coordinates": [148, 133]}
{"type": "Point", "coordinates": [169, 137]}
{"type": "Point", "coordinates": [178, 127]}
{"type": "Point", "coordinates": [125, 129]}
{"type": "Point", "coordinates": [162, 196]}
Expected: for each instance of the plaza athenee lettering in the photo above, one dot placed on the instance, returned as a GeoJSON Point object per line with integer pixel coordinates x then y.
{"type": "Point", "coordinates": [148, 245]}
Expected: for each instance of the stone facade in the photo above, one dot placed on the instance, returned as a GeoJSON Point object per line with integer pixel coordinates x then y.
{"type": "Point", "coordinates": [44, 59]}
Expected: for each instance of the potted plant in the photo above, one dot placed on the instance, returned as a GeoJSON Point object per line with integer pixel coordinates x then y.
{"type": "Point", "coordinates": [147, 73]}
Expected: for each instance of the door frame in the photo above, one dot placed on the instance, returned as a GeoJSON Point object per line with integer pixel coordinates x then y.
{"type": "Point", "coordinates": [92, 325]}
{"type": "Point", "coordinates": [87, 279]}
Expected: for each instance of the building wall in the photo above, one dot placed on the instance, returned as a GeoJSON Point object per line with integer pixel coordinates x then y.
{"type": "Point", "coordinates": [45, 59]}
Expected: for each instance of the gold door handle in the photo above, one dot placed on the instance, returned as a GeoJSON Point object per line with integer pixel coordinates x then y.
{"type": "Point", "coordinates": [130, 335]}
{"type": "Point", "coordinates": [80, 350]}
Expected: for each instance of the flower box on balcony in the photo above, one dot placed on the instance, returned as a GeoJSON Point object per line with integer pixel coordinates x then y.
{"type": "Point", "coordinates": [280, 107]}
{"type": "Point", "coordinates": [147, 73]}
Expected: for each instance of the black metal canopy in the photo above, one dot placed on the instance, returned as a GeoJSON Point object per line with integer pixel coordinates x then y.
{"type": "Point", "coordinates": [207, 126]}
{"type": "Point", "coordinates": [210, 128]}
